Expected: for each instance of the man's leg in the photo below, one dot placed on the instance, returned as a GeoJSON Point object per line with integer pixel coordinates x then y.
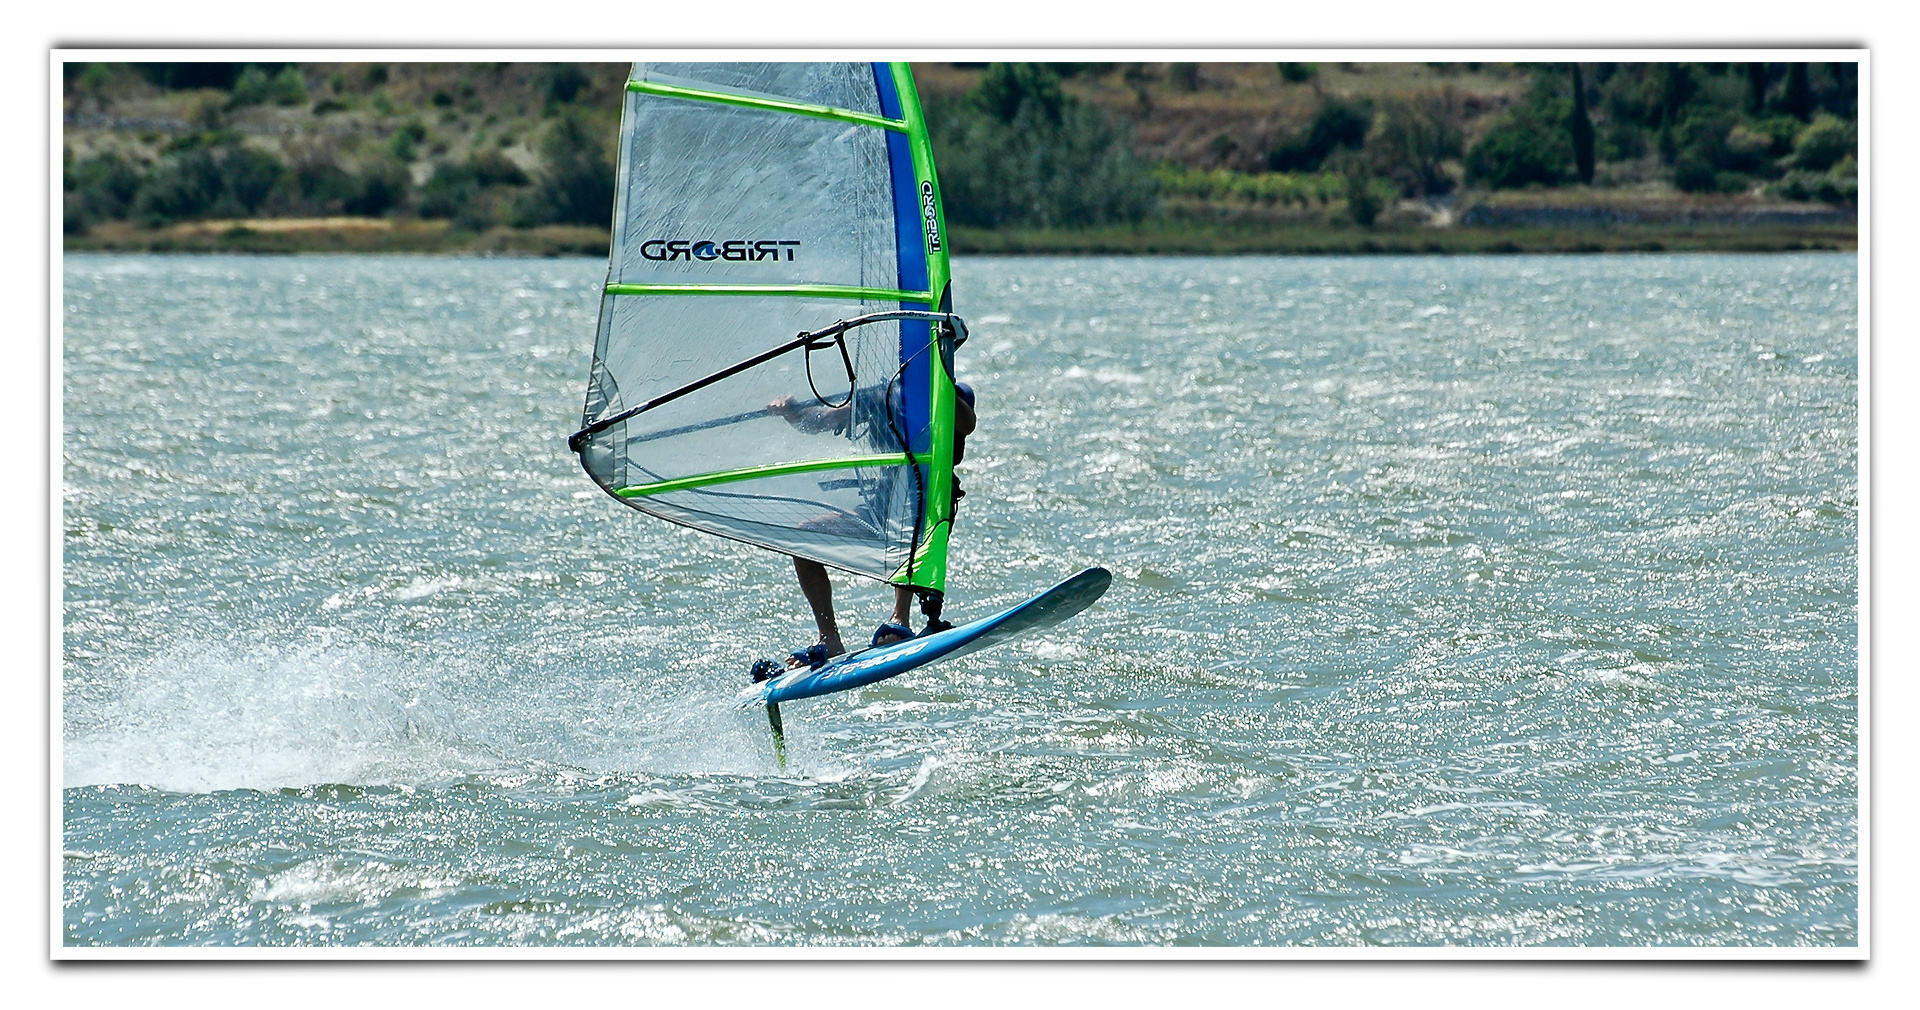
{"type": "Point", "coordinates": [819, 593]}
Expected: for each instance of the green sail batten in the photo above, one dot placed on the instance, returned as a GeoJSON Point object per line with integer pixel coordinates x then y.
{"type": "Point", "coordinates": [928, 567]}
{"type": "Point", "coordinates": [755, 472]}
{"type": "Point", "coordinates": [770, 105]}
{"type": "Point", "coordinates": [773, 290]}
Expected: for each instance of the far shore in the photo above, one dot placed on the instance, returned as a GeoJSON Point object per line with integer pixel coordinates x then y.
{"type": "Point", "coordinates": [1160, 237]}
{"type": "Point", "coordinates": [1508, 223]}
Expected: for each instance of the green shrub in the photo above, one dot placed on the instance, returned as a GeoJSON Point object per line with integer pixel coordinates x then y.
{"type": "Point", "coordinates": [96, 78]}
{"type": "Point", "coordinates": [576, 183]}
{"type": "Point", "coordinates": [465, 192]}
{"type": "Point", "coordinates": [1693, 174]}
{"type": "Point", "coordinates": [257, 84]}
{"type": "Point", "coordinates": [1839, 185]}
{"type": "Point", "coordinates": [1703, 144]}
{"type": "Point", "coordinates": [1840, 191]}
{"type": "Point", "coordinates": [1266, 188]}
{"type": "Point", "coordinates": [252, 87]}
{"type": "Point", "coordinates": [405, 142]}
{"type": "Point", "coordinates": [1413, 135]}
{"type": "Point", "coordinates": [1520, 151]}
{"type": "Point", "coordinates": [564, 81]}
{"type": "Point", "coordinates": [1366, 194]}
{"type": "Point", "coordinates": [288, 87]}
{"type": "Point", "coordinates": [220, 179]}
{"type": "Point", "coordinates": [1618, 140]}
{"type": "Point", "coordinates": [1009, 87]}
{"type": "Point", "coordinates": [1081, 69]}
{"type": "Point", "coordinates": [105, 185]}
{"type": "Point", "coordinates": [1748, 144]}
{"type": "Point", "coordinates": [1298, 73]}
{"type": "Point", "coordinates": [491, 168]}
{"type": "Point", "coordinates": [319, 188]}
{"type": "Point", "coordinates": [1779, 131]}
{"type": "Point", "coordinates": [1793, 186]}
{"type": "Point", "coordinates": [382, 187]}
{"type": "Point", "coordinates": [1823, 143]}
{"type": "Point", "coordinates": [1363, 200]}
{"type": "Point", "coordinates": [1337, 124]}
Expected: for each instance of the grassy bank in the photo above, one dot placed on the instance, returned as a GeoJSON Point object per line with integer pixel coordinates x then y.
{"type": "Point", "coordinates": [380, 235]}
{"type": "Point", "coordinates": [1188, 238]}
{"type": "Point", "coordinates": [343, 235]}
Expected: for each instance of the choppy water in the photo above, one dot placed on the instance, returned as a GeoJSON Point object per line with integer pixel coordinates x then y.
{"type": "Point", "coordinates": [1458, 601]}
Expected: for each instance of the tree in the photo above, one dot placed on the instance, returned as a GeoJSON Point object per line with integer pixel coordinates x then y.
{"type": "Point", "coordinates": [1677, 88]}
{"type": "Point", "coordinates": [1413, 135]}
{"type": "Point", "coordinates": [1756, 88]}
{"type": "Point", "coordinates": [1017, 151]}
{"type": "Point", "coordinates": [576, 186]}
{"type": "Point", "coordinates": [1338, 124]}
{"type": "Point", "coordinates": [1799, 98]}
{"type": "Point", "coordinates": [1581, 126]}
{"type": "Point", "coordinates": [1823, 143]}
{"type": "Point", "coordinates": [1519, 151]}
{"type": "Point", "coordinates": [103, 187]}
{"type": "Point", "coordinates": [564, 81]}
{"type": "Point", "coordinates": [1364, 201]}
{"type": "Point", "coordinates": [1009, 87]}
{"type": "Point", "coordinates": [207, 175]}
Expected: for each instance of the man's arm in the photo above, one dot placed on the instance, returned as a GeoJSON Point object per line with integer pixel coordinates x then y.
{"type": "Point", "coordinates": [812, 418]}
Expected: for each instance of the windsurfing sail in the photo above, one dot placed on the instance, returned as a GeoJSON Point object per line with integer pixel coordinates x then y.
{"type": "Point", "coordinates": [773, 361]}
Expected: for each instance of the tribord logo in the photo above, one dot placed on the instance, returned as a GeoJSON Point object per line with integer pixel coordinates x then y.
{"type": "Point", "coordinates": [933, 219]}
{"type": "Point", "coordinates": [735, 251]}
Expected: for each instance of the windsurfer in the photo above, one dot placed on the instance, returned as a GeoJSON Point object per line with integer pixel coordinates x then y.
{"type": "Point", "coordinates": [812, 575]}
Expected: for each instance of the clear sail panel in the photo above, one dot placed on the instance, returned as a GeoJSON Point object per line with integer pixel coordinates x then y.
{"type": "Point", "coordinates": [726, 195]}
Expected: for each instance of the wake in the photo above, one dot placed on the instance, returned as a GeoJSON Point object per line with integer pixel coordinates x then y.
{"type": "Point", "coordinates": [202, 716]}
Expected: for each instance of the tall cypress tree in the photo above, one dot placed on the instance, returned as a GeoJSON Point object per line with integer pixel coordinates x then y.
{"type": "Point", "coordinates": [1756, 88]}
{"type": "Point", "coordinates": [1799, 92]}
{"type": "Point", "coordinates": [1582, 127]}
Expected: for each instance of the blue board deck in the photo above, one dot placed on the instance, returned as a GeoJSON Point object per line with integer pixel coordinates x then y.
{"type": "Point", "coordinates": [858, 669]}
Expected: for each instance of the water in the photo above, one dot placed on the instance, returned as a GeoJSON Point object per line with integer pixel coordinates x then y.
{"type": "Point", "coordinates": [1477, 601]}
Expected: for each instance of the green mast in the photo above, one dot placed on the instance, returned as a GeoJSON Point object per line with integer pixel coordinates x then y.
{"type": "Point", "coordinates": [927, 569]}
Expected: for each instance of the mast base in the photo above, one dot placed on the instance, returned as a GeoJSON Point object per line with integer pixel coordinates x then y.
{"type": "Point", "coordinates": [931, 602]}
